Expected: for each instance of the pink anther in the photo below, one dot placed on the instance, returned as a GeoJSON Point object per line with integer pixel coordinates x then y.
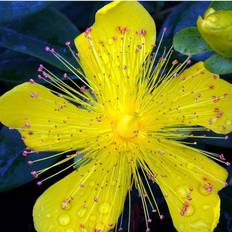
{"type": "Point", "coordinates": [30, 162]}
{"type": "Point", "coordinates": [27, 124]}
{"type": "Point", "coordinates": [39, 183]}
{"type": "Point", "coordinates": [24, 153]}
{"type": "Point", "coordinates": [31, 81]}
{"type": "Point", "coordinates": [33, 95]}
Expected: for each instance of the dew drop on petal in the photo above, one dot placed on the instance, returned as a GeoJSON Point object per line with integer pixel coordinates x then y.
{"type": "Point", "coordinates": [190, 211]}
{"type": "Point", "coordinates": [105, 58]}
{"type": "Point", "coordinates": [113, 183]}
{"type": "Point", "coordinates": [64, 219]}
{"type": "Point", "coordinates": [206, 207]}
{"type": "Point", "coordinates": [228, 122]}
{"type": "Point", "coordinates": [104, 208]}
{"type": "Point", "coordinates": [200, 225]}
{"type": "Point", "coordinates": [182, 191]}
{"type": "Point", "coordinates": [110, 41]}
{"type": "Point", "coordinates": [69, 230]}
{"type": "Point", "coordinates": [92, 184]}
{"type": "Point", "coordinates": [181, 228]}
{"type": "Point", "coordinates": [93, 218]}
{"type": "Point", "coordinates": [190, 166]}
{"type": "Point", "coordinates": [81, 212]}
{"type": "Point", "coordinates": [84, 230]}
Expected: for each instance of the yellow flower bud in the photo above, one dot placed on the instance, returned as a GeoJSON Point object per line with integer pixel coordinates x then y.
{"type": "Point", "coordinates": [216, 30]}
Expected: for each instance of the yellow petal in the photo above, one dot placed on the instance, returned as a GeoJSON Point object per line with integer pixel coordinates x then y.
{"type": "Point", "coordinates": [87, 199]}
{"type": "Point", "coordinates": [116, 45]}
{"type": "Point", "coordinates": [190, 183]}
{"type": "Point", "coordinates": [196, 97]}
{"type": "Point", "coordinates": [46, 122]}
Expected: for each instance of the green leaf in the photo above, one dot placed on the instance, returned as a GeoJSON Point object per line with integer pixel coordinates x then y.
{"type": "Point", "coordinates": [31, 46]}
{"type": "Point", "coordinates": [219, 64]}
{"type": "Point", "coordinates": [221, 5]}
{"type": "Point", "coordinates": [26, 67]}
{"type": "Point", "coordinates": [189, 42]}
{"type": "Point", "coordinates": [10, 10]}
{"type": "Point", "coordinates": [225, 223]}
{"type": "Point", "coordinates": [34, 33]}
{"type": "Point", "coordinates": [48, 25]}
{"type": "Point", "coordinates": [14, 169]}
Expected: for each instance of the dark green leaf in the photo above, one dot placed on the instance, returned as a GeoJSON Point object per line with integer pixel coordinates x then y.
{"type": "Point", "coordinates": [48, 25]}
{"type": "Point", "coordinates": [10, 10]}
{"type": "Point", "coordinates": [153, 6]}
{"type": "Point", "coordinates": [80, 12]}
{"type": "Point", "coordinates": [221, 5]}
{"type": "Point", "coordinates": [14, 169]}
{"type": "Point", "coordinates": [182, 16]}
{"type": "Point", "coordinates": [227, 143]}
{"type": "Point", "coordinates": [225, 223]}
{"type": "Point", "coordinates": [31, 36]}
{"type": "Point", "coordinates": [31, 46]}
{"type": "Point", "coordinates": [26, 67]}
{"type": "Point", "coordinates": [219, 64]}
{"type": "Point", "coordinates": [189, 42]}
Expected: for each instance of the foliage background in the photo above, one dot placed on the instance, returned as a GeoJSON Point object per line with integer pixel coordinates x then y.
{"type": "Point", "coordinates": [25, 29]}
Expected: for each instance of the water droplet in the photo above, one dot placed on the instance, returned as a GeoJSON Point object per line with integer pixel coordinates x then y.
{"type": "Point", "coordinates": [93, 218]}
{"type": "Point", "coordinates": [105, 58]}
{"type": "Point", "coordinates": [183, 191]}
{"type": "Point", "coordinates": [84, 230]}
{"type": "Point", "coordinates": [104, 208]}
{"type": "Point", "coordinates": [113, 182]}
{"type": "Point", "coordinates": [81, 212]}
{"type": "Point", "coordinates": [189, 211]}
{"type": "Point", "coordinates": [92, 184]}
{"type": "Point", "coordinates": [181, 228]}
{"type": "Point", "coordinates": [200, 225]}
{"type": "Point", "coordinates": [190, 166]}
{"type": "Point", "coordinates": [64, 219]}
{"type": "Point", "coordinates": [69, 230]}
{"type": "Point", "coordinates": [110, 41]}
{"type": "Point", "coordinates": [205, 207]}
{"type": "Point", "coordinates": [81, 193]}
{"type": "Point", "coordinates": [228, 122]}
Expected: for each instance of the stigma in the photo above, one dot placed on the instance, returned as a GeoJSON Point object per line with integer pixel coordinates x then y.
{"type": "Point", "coordinates": [127, 126]}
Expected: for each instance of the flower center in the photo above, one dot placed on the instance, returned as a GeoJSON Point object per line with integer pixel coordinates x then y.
{"type": "Point", "coordinates": [127, 126]}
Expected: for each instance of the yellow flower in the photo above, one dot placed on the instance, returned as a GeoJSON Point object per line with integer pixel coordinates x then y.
{"type": "Point", "coordinates": [216, 29]}
{"type": "Point", "coordinates": [126, 123]}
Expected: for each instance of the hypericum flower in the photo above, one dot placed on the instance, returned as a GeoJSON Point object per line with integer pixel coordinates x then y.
{"type": "Point", "coordinates": [216, 30]}
{"type": "Point", "coordinates": [123, 128]}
